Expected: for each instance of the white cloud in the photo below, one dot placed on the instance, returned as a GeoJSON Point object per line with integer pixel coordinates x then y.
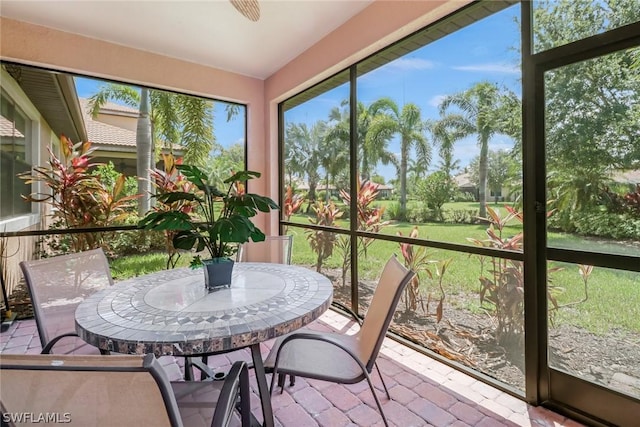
{"type": "Point", "coordinates": [436, 100]}
{"type": "Point", "coordinates": [490, 67]}
{"type": "Point", "coordinates": [409, 64]}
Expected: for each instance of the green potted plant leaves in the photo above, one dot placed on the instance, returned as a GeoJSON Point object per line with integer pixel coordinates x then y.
{"type": "Point", "coordinates": [219, 221]}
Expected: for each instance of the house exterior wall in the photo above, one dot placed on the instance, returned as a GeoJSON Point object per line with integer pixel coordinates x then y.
{"type": "Point", "coordinates": [19, 248]}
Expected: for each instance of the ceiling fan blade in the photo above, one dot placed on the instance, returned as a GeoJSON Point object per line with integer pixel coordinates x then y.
{"type": "Point", "coordinates": [249, 8]}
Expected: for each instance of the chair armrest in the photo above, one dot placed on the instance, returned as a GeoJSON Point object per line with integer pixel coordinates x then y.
{"type": "Point", "coordinates": [348, 310]}
{"type": "Point", "coordinates": [47, 348]}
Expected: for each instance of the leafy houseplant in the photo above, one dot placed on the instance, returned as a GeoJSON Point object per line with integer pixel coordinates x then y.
{"type": "Point", "coordinates": [218, 223]}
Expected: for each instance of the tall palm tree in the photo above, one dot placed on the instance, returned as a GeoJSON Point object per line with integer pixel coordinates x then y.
{"type": "Point", "coordinates": [445, 133]}
{"type": "Point", "coordinates": [164, 119]}
{"type": "Point", "coordinates": [481, 113]}
{"type": "Point", "coordinates": [408, 125]}
{"type": "Point", "coordinates": [372, 149]}
{"type": "Point", "coordinates": [303, 156]}
{"type": "Point", "coordinates": [334, 156]}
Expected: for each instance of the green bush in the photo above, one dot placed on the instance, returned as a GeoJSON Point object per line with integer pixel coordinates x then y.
{"type": "Point", "coordinates": [393, 212]}
{"type": "Point", "coordinates": [461, 216]}
{"type": "Point", "coordinates": [597, 223]}
{"type": "Point", "coordinates": [130, 242]}
{"type": "Point", "coordinates": [463, 196]}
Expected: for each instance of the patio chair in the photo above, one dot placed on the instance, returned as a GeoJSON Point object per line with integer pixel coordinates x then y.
{"type": "Point", "coordinates": [344, 359]}
{"type": "Point", "coordinates": [93, 390]}
{"type": "Point", "coordinates": [57, 285]}
{"type": "Point", "coordinates": [275, 249]}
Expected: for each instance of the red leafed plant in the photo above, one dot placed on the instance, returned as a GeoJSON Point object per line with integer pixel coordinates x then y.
{"type": "Point", "coordinates": [503, 286]}
{"type": "Point", "coordinates": [417, 259]}
{"type": "Point", "coordinates": [292, 203]}
{"type": "Point", "coordinates": [167, 180]}
{"type": "Point", "coordinates": [323, 242]}
{"type": "Point", "coordinates": [78, 198]}
{"type": "Point", "coordinates": [368, 218]}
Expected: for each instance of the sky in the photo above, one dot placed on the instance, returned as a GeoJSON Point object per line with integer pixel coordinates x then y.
{"type": "Point", "coordinates": [483, 51]}
{"type": "Point", "coordinates": [226, 133]}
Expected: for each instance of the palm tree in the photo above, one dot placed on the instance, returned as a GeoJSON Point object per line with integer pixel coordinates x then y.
{"type": "Point", "coordinates": [334, 156]}
{"type": "Point", "coordinates": [482, 112]}
{"type": "Point", "coordinates": [408, 124]}
{"type": "Point", "coordinates": [444, 133]}
{"type": "Point", "coordinates": [172, 119]}
{"type": "Point", "coordinates": [372, 149]}
{"type": "Point", "coordinates": [303, 156]}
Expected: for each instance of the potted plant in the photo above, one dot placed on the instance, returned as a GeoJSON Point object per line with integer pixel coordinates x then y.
{"type": "Point", "coordinates": [218, 223]}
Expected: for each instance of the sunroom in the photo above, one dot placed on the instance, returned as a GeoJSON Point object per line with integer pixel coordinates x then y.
{"type": "Point", "coordinates": [493, 147]}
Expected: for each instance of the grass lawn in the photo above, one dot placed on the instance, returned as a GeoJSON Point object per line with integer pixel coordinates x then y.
{"type": "Point", "coordinates": [613, 296]}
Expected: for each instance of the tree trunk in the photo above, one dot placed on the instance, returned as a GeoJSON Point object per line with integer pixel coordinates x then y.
{"type": "Point", "coordinates": [143, 153]}
{"type": "Point", "coordinates": [404, 153]}
{"type": "Point", "coordinates": [482, 175]}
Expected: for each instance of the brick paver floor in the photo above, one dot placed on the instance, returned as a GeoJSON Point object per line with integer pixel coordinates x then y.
{"type": "Point", "coordinates": [424, 391]}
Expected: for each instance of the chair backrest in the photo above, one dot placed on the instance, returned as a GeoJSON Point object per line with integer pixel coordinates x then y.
{"type": "Point", "coordinates": [88, 390]}
{"type": "Point", "coordinates": [58, 284]}
{"type": "Point", "coordinates": [393, 280]}
{"type": "Point", "coordinates": [275, 249]}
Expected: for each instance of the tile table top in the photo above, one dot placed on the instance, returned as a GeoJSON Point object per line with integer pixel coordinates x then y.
{"type": "Point", "coordinates": [171, 312]}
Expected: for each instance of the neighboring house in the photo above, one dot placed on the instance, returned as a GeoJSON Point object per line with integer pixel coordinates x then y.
{"type": "Point", "coordinates": [113, 135]}
{"type": "Point", "coordinates": [466, 185]}
{"type": "Point", "coordinates": [630, 177]}
{"type": "Point", "coordinates": [463, 181]}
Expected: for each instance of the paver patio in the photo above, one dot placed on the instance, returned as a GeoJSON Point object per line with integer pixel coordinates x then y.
{"type": "Point", "coordinates": [424, 391]}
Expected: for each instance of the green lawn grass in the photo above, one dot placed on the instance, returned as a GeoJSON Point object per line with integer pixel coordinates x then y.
{"type": "Point", "coordinates": [614, 296]}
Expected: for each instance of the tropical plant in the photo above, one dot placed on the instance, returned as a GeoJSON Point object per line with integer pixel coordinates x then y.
{"type": "Point", "coordinates": [372, 146]}
{"type": "Point", "coordinates": [368, 218]}
{"type": "Point", "coordinates": [78, 198]}
{"type": "Point", "coordinates": [165, 119]}
{"type": "Point", "coordinates": [445, 133]}
{"type": "Point", "coordinates": [169, 180]}
{"type": "Point", "coordinates": [483, 108]}
{"type": "Point", "coordinates": [202, 227]}
{"type": "Point", "coordinates": [417, 259]}
{"type": "Point", "coordinates": [322, 242]}
{"type": "Point", "coordinates": [407, 123]}
{"type": "Point", "coordinates": [302, 156]}
{"type": "Point", "coordinates": [436, 190]}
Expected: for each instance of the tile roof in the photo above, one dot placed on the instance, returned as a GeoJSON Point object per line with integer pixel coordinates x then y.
{"type": "Point", "coordinates": [105, 134]}
{"type": "Point", "coordinates": [7, 129]}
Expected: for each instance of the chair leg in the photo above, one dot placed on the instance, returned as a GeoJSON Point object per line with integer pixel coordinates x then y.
{"type": "Point", "coordinates": [188, 369]}
{"type": "Point", "coordinates": [386, 390]}
{"type": "Point", "coordinates": [375, 397]}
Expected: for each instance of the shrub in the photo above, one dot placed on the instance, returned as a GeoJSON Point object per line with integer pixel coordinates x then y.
{"type": "Point", "coordinates": [461, 216]}
{"type": "Point", "coordinates": [436, 190]}
{"type": "Point", "coordinates": [393, 212]}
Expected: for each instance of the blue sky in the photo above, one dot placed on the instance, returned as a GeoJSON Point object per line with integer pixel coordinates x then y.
{"type": "Point", "coordinates": [485, 50]}
{"type": "Point", "coordinates": [226, 133]}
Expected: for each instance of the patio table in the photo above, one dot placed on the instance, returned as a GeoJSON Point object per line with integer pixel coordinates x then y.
{"type": "Point", "coordinates": [171, 312]}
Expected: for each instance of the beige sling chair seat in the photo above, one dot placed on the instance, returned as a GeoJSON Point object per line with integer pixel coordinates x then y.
{"type": "Point", "coordinates": [117, 391]}
{"type": "Point", "coordinates": [57, 286]}
{"type": "Point", "coordinates": [345, 359]}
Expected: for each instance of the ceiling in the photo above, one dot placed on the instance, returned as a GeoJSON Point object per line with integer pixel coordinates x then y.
{"type": "Point", "coordinates": [210, 32]}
